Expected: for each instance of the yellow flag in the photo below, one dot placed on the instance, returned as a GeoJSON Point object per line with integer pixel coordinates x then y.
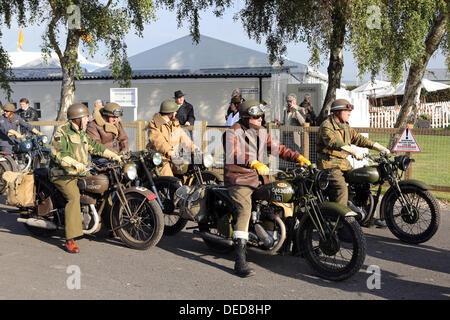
{"type": "Point", "coordinates": [20, 39]}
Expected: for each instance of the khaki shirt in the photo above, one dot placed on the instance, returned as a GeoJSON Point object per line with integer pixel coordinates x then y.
{"type": "Point", "coordinates": [331, 137]}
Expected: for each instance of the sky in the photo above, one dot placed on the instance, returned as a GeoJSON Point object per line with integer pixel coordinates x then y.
{"type": "Point", "coordinates": [165, 30]}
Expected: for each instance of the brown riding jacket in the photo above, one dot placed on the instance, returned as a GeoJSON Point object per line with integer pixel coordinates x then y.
{"type": "Point", "coordinates": [112, 136]}
{"type": "Point", "coordinates": [241, 148]}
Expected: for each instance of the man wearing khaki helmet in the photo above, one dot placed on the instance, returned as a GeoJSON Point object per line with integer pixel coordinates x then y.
{"type": "Point", "coordinates": [68, 162]}
{"type": "Point", "coordinates": [334, 145]}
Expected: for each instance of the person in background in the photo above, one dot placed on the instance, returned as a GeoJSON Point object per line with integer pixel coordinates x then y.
{"type": "Point", "coordinates": [185, 113]}
{"type": "Point", "coordinates": [233, 115]}
{"type": "Point", "coordinates": [310, 114]}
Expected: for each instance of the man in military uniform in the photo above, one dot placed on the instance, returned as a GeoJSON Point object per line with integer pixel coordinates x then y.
{"type": "Point", "coordinates": [334, 145]}
{"type": "Point", "coordinates": [242, 143]}
{"type": "Point", "coordinates": [165, 135]}
{"type": "Point", "coordinates": [10, 125]}
{"type": "Point", "coordinates": [106, 128]}
{"type": "Point", "coordinates": [68, 159]}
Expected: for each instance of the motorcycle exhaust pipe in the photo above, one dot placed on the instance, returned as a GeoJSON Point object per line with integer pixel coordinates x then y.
{"type": "Point", "coordinates": [96, 221]}
{"type": "Point", "coordinates": [38, 223]}
{"type": "Point", "coordinates": [214, 238]}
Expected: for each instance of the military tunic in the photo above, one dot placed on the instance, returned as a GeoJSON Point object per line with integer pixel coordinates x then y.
{"type": "Point", "coordinates": [70, 144]}
{"type": "Point", "coordinates": [331, 137]}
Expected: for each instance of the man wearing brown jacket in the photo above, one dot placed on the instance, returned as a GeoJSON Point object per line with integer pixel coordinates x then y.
{"type": "Point", "coordinates": [165, 135]}
{"type": "Point", "coordinates": [243, 143]}
{"type": "Point", "coordinates": [106, 128]}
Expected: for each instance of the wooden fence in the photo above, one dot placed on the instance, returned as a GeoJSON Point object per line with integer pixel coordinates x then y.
{"type": "Point", "coordinates": [385, 117]}
{"type": "Point", "coordinates": [433, 161]}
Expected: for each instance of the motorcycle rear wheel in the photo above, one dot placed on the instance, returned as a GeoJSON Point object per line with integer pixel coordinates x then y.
{"type": "Point", "coordinates": [342, 255]}
{"type": "Point", "coordinates": [422, 224]}
{"type": "Point", "coordinates": [144, 228]}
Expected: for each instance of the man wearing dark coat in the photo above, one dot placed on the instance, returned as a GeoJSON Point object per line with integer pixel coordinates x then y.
{"type": "Point", "coordinates": [185, 113]}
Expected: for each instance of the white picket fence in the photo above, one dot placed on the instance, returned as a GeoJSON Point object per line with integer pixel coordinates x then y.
{"type": "Point", "coordinates": [385, 117]}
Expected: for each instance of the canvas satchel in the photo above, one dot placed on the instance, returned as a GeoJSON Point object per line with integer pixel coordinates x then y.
{"type": "Point", "coordinates": [20, 188]}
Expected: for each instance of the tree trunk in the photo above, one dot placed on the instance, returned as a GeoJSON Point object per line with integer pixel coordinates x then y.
{"type": "Point", "coordinates": [411, 97]}
{"type": "Point", "coordinates": [67, 94]}
{"type": "Point", "coordinates": [336, 64]}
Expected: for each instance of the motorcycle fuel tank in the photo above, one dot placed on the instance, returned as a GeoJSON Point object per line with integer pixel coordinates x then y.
{"type": "Point", "coordinates": [94, 184]}
{"type": "Point", "coordinates": [279, 191]}
{"type": "Point", "coordinates": [367, 174]}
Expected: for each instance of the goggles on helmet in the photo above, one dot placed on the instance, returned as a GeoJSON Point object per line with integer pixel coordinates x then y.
{"type": "Point", "coordinates": [256, 111]}
{"type": "Point", "coordinates": [343, 107]}
{"type": "Point", "coordinates": [116, 113]}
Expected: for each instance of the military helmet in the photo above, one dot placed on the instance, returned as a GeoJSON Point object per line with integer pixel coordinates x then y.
{"type": "Point", "coordinates": [112, 109]}
{"type": "Point", "coordinates": [77, 110]}
{"type": "Point", "coordinates": [341, 104]}
{"type": "Point", "coordinates": [251, 109]}
{"type": "Point", "coordinates": [9, 107]}
{"type": "Point", "coordinates": [168, 106]}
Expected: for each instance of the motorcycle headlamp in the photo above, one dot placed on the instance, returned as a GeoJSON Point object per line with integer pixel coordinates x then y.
{"type": "Point", "coordinates": [157, 158]}
{"type": "Point", "coordinates": [256, 111]}
{"type": "Point", "coordinates": [131, 171]}
{"type": "Point", "coordinates": [322, 179]}
{"type": "Point", "coordinates": [208, 160]}
{"type": "Point", "coordinates": [44, 139]}
{"type": "Point", "coordinates": [403, 162]}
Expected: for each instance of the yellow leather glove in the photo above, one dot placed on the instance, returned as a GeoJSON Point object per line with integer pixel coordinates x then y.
{"type": "Point", "coordinates": [261, 168]}
{"type": "Point", "coordinates": [302, 160]}
{"type": "Point", "coordinates": [112, 155]}
{"type": "Point", "coordinates": [12, 132]}
{"type": "Point", "coordinates": [79, 166]}
{"type": "Point", "coordinates": [36, 131]}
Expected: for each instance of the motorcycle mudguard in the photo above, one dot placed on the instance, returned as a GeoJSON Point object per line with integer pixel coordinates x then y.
{"type": "Point", "coordinates": [141, 190]}
{"type": "Point", "coordinates": [391, 191]}
{"type": "Point", "coordinates": [339, 209]}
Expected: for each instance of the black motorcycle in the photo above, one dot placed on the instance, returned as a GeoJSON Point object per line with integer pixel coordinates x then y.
{"type": "Point", "coordinates": [133, 214]}
{"type": "Point", "coordinates": [30, 154]}
{"type": "Point", "coordinates": [287, 216]}
{"type": "Point", "coordinates": [410, 210]}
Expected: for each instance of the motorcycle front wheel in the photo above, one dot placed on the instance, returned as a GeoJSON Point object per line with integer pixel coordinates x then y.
{"type": "Point", "coordinates": [341, 254]}
{"type": "Point", "coordinates": [418, 224]}
{"type": "Point", "coordinates": [173, 223]}
{"type": "Point", "coordinates": [143, 227]}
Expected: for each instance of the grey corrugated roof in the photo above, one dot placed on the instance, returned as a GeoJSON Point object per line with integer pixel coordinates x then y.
{"type": "Point", "coordinates": [56, 74]}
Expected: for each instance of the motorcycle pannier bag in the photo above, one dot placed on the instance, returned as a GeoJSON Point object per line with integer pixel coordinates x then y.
{"type": "Point", "coordinates": [191, 200]}
{"type": "Point", "coordinates": [20, 188]}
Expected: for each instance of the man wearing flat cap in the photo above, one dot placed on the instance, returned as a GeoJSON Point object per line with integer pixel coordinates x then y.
{"type": "Point", "coordinates": [185, 113]}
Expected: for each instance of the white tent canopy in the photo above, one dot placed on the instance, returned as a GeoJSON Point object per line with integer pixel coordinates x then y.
{"type": "Point", "coordinates": [372, 87]}
{"type": "Point", "coordinates": [428, 85]}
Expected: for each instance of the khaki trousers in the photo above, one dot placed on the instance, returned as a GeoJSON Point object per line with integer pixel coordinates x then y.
{"type": "Point", "coordinates": [242, 197]}
{"type": "Point", "coordinates": [339, 189]}
{"type": "Point", "coordinates": [69, 189]}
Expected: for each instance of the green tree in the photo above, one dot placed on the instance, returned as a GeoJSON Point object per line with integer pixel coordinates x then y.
{"type": "Point", "coordinates": [9, 11]}
{"type": "Point", "coordinates": [409, 32]}
{"type": "Point", "coordinates": [92, 25]}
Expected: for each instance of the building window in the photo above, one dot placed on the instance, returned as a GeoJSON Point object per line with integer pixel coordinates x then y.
{"type": "Point", "coordinates": [37, 107]}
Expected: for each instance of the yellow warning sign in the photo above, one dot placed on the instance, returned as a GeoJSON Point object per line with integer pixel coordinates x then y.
{"type": "Point", "coordinates": [406, 142]}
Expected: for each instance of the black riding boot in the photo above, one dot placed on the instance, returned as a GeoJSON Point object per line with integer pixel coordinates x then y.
{"type": "Point", "coordinates": [241, 267]}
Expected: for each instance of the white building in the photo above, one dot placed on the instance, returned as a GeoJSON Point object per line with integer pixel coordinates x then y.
{"type": "Point", "coordinates": [207, 73]}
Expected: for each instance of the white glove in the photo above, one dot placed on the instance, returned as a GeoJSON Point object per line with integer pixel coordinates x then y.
{"type": "Point", "coordinates": [380, 148]}
{"type": "Point", "coordinates": [358, 155]}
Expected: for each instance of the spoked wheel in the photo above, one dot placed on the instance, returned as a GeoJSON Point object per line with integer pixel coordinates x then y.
{"type": "Point", "coordinates": [417, 221]}
{"type": "Point", "coordinates": [341, 254]}
{"type": "Point", "coordinates": [3, 167]}
{"type": "Point", "coordinates": [143, 227]}
{"type": "Point", "coordinates": [173, 223]}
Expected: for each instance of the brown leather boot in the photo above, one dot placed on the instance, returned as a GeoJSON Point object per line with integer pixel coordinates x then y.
{"type": "Point", "coordinates": [71, 246]}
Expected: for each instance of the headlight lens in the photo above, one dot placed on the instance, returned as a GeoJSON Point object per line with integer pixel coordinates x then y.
{"type": "Point", "coordinates": [44, 139]}
{"type": "Point", "coordinates": [157, 158]}
{"type": "Point", "coordinates": [322, 179]}
{"type": "Point", "coordinates": [131, 171]}
{"type": "Point", "coordinates": [208, 160]}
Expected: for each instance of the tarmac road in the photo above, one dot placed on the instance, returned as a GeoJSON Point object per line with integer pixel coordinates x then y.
{"type": "Point", "coordinates": [182, 267]}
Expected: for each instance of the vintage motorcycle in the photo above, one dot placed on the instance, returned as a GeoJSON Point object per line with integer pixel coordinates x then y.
{"type": "Point", "coordinates": [32, 153]}
{"type": "Point", "coordinates": [133, 212]}
{"type": "Point", "coordinates": [287, 216]}
{"type": "Point", "coordinates": [185, 172]}
{"type": "Point", "coordinates": [411, 212]}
